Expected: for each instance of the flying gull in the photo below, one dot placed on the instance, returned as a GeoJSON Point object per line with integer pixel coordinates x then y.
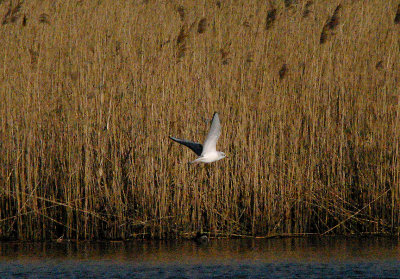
{"type": "Point", "coordinates": [208, 151]}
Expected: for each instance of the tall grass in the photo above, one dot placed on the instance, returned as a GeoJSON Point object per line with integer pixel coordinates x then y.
{"type": "Point", "coordinates": [91, 90]}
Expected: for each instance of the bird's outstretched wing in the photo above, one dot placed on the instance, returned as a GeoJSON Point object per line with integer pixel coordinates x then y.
{"type": "Point", "coordinates": [196, 147]}
{"type": "Point", "coordinates": [210, 144]}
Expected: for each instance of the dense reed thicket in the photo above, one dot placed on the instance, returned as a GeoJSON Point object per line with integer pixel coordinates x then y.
{"type": "Point", "coordinates": [308, 96]}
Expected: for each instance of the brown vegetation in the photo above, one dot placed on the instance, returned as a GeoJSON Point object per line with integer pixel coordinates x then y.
{"type": "Point", "coordinates": [91, 90]}
{"type": "Point", "coordinates": [330, 25]}
{"type": "Point", "coordinates": [271, 16]}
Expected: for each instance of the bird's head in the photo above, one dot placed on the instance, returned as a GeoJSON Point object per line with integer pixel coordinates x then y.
{"type": "Point", "coordinates": [222, 154]}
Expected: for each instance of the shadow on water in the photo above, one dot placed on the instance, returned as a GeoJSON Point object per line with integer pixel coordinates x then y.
{"type": "Point", "coordinates": [247, 258]}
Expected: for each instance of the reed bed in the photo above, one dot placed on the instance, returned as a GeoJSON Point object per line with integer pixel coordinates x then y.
{"type": "Point", "coordinates": [308, 96]}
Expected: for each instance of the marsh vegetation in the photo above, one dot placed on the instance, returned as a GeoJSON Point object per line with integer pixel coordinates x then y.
{"type": "Point", "coordinates": [307, 91]}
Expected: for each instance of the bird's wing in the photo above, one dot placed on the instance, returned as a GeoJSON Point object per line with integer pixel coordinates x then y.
{"type": "Point", "coordinates": [196, 147]}
{"type": "Point", "coordinates": [210, 144]}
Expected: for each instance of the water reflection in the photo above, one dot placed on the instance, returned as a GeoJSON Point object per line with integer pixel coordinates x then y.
{"type": "Point", "coordinates": [265, 250]}
{"type": "Point", "coordinates": [268, 258]}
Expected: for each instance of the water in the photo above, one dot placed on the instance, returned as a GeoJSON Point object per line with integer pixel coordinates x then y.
{"type": "Point", "coordinates": [223, 258]}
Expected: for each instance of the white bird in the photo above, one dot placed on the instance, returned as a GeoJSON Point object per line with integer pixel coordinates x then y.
{"type": "Point", "coordinates": [208, 151]}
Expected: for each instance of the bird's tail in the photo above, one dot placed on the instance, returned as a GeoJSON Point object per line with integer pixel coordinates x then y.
{"type": "Point", "coordinates": [194, 162]}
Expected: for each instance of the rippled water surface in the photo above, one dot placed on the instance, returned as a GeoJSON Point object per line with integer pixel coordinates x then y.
{"type": "Point", "coordinates": [221, 258]}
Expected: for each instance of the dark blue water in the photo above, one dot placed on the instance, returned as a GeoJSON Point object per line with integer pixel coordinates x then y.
{"type": "Point", "coordinates": [272, 258]}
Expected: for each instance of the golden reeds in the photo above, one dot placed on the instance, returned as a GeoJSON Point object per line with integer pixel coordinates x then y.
{"type": "Point", "coordinates": [13, 13]}
{"type": "Point", "coordinates": [271, 16]}
{"type": "Point", "coordinates": [397, 16]}
{"type": "Point", "coordinates": [283, 71]}
{"type": "Point", "coordinates": [224, 55]}
{"type": "Point", "coordinates": [306, 11]}
{"type": "Point", "coordinates": [44, 18]}
{"type": "Point", "coordinates": [288, 3]}
{"type": "Point", "coordinates": [330, 25]}
{"type": "Point", "coordinates": [24, 20]}
{"type": "Point", "coordinates": [202, 26]}
{"type": "Point", "coordinates": [88, 102]}
{"type": "Point", "coordinates": [181, 42]}
{"type": "Point", "coordinates": [181, 11]}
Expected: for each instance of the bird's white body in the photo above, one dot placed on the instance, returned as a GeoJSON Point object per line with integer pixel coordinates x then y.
{"type": "Point", "coordinates": [208, 151]}
{"type": "Point", "coordinates": [209, 157]}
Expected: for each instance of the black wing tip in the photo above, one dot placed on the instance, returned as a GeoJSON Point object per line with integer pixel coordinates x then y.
{"type": "Point", "coordinates": [178, 140]}
{"type": "Point", "coordinates": [215, 115]}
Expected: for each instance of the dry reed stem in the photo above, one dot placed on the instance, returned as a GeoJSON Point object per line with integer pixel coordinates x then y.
{"type": "Point", "coordinates": [353, 215]}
